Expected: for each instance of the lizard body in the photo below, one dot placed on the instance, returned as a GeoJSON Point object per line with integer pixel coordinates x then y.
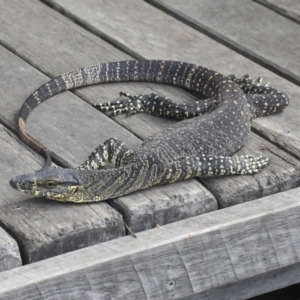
{"type": "Point", "coordinates": [200, 145]}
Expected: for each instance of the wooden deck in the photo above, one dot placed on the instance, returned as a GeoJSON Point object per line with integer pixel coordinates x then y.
{"type": "Point", "coordinates": [211, 247]}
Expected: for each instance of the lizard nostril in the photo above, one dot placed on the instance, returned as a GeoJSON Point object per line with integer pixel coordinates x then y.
{"type": "Point", "coordinates": [13, 183]}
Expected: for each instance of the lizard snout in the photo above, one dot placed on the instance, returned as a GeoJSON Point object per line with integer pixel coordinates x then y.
{"type": "Point", "coordinates": [13, 182]}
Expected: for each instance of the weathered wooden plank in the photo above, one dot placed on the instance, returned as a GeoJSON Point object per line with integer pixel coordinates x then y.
{"type": "Point", "coordinates": [165, 39]}
{"type": "Point", "coordinates": [284, 39]}
{"type": "Point", "coordinates": [222, 253]}
{"type": "Point", "coordinates": [156, 206]}
{"type": "Point", "coordinates": [282, 174]}
{"type": "Point", "coordinates": [9, 252]}
{"type": "Point", "coordinates": [73, 128]}
{"type": "Point", "coordinates": [288, 5]}
{"type": "Point", "coordinates": [287, 8]}
{"type": "Point", "coordinates": [266, 282]}
{"type": "Point", "coordinates": [153, 34]}
{"type": "Point", "coordinates": [45, 228]}
{"type": "Point", "coordinates": [235, 28]}
{"type": "Point", "coordinates": [113, 17]}
{"type": "Point", "coordinates": [65, 118]}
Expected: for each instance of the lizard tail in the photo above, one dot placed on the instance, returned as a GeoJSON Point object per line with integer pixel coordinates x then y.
{"type": "Point", "coordinates": [47, 90]}
{"type": "Point", "coordinates": [135, 70]}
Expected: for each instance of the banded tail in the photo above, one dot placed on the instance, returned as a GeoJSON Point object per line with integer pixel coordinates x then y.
{"type": "Point", "coordinates": [158, 71]}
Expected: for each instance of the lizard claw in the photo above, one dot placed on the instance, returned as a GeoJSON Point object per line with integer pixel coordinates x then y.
{"type": "Point", "coordinates": [247, 84]}
{"type": "Point", "coordinates": [125, 95]}
{"type": "Point", "coordinates": [131, 105]}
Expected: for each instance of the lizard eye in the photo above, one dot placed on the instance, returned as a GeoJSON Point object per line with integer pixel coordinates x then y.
{"type": "Point", "coordinates": [50, 184]}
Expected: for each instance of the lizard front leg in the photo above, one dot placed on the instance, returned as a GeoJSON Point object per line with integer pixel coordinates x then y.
{"type": "Point", "coordinates": [158, 105]}
{"type": "Point", "coordinates": [112, 150]}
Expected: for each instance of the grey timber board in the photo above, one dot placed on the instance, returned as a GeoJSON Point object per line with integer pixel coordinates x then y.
{"type": "Point", "coordinates": [288, 5]}
{"type": "Point", "coordinates": [288, 8]}
{"type": "Point", "coordinates": [153, 26]}
{"type": "Point", "coordinates": [9, 252]}
{"type": "Point", "coordinates": [156, 206]}
{"type": "Point", "coordinates": [253, 29]}
{"type": "Point", "coordinates": [153, 34]}
{"type": "Point", "coordinates": [282, 128]}
{"type": "Point", "coordinates": [226, 253]}
{"type": "Point", "coordinates": [282, 174]}
{"type": "Point", "coordinates": [153, 209]}
{"type": "Point", "coordinates": [60, 122]}
{"type": "Point", "coordinates": [270, 283]}
{"type": "Point", "coordinates": [167, 38]}
{"type": "Point", "coordinates": [69, 127]}
{"type": "Point", "coordinates": [44, 228]}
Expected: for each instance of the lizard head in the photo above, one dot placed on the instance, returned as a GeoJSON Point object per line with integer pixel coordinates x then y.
{"type": "Point", "coordinates": [52, 182]}
{"type": "Point", "coordinates": [74, 185]}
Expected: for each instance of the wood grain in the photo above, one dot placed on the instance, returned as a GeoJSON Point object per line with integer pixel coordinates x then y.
{"type": "Point", "coordinates": [235, 28]}
{"type": "Point", "coordinates": [237, 252]}
{"type": "Point", "coordinates": [44, 228]}
{"type": "Point", "coordinates": [288, 8]}
{"type": "Point", "coordinates": [283, 129]}
{"type": "Point", "coordinates": [154, 34]}
{"type": "Point", "coordinates": [69, 127]}
{"type": "Point", "coordinates": [158, 206]}
{"type": "Point", "coordinates": [225, 253]}
{"type": "Point", "coordinates": [288, 5]}
{"type": "Point", "coordinates": [9, 252]}
{"type": "Point", "coordinates": [283, 173]}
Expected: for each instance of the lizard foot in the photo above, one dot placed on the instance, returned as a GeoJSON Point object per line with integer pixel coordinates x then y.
{"type": "Point", "coordinates": [248, 164]}
{"type": "Point", "coordinates": [131, 105]}
{"type": "Point", "coordinates": [247, 84]}
{"type": "Point", "coordinates": [213, 165]}
{"type": "Point", "coordinates": [158, 105]}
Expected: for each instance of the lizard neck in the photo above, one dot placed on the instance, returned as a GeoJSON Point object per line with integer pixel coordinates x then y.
{"type": "Point", "coordinates": [97, 185]}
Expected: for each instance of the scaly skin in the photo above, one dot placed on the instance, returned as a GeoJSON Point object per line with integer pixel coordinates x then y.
{"type": "Point", "coordinates": [200, 145]}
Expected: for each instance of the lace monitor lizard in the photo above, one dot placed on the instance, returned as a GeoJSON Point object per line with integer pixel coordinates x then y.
{"type": "Point", "coordinates": [200, 145]}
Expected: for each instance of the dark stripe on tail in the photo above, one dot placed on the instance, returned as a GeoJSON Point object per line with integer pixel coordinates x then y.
{"type": "Point", "coordinates": [168, 72]}
{"type": "Point", "coordinates": [46, 91]}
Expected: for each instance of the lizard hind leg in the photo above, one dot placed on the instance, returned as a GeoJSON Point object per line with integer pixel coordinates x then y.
{"type": "Point", "coordinates": [249, 85]}
{"type": "Point", "coordinates": [263, 100]}
{"type": "Point", "coordinates": [131, 105]}
{"type": "Point", "coordinates": [225, 165]}
{"type": "Point", "coordinates": [212, 165]}
{"type": "Point", "coordinates": [111, 151]}
{"type": "Point", "coordinates": [157, 105]}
